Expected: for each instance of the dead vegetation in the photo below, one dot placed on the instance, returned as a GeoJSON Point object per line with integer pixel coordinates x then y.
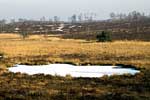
{"type": "Point", "coordinates": [38, 50]}
{"type": "Point", "coordinates": [18, 86]}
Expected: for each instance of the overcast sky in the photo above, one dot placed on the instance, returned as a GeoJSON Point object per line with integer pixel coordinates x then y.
{"type": "Point", "coordinates": [35, 9]}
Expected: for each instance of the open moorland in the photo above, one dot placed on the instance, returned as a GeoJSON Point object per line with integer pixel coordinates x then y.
{"type": "Point", "coordinates": [46, 87]}
{"type": "Point", "coordinates": [41, 50]}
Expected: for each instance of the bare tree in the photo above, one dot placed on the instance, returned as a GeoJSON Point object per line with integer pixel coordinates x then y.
{"type": "Point", "coordinates": [80, 17]}
{"type": "Point", "coordinates": [74, 18]}
{"type": "Point", "coordinates": [113, 16]}
{"type": "Point", "coordinates": [2, 25]}
{"type": "Point", "coordinates": [56, 19]}
{"type": "Point", "coordinates": [43, 19]}
{"type": "Point", "coordinates": [12, 21]}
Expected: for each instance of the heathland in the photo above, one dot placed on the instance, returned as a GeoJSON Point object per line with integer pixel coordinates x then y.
{"type": "Point", "coordinates": [41, 50]}
{"type": "Point", "coordinates": [38, 49]}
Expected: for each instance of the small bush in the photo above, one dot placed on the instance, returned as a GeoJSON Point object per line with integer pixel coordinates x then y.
{"type": "Point", "coordinates": [24, 35]}
{"type": "Point", "coordinates": [104, 36]}
{"type": "Point", "coordinates": [1, 55]}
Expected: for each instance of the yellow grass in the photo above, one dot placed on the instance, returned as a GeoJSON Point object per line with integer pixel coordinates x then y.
{"type": "Point", "coordinates": [55, 49]}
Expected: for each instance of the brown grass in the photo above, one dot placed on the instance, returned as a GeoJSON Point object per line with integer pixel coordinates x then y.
{"type": "Point", "coordinates": [39, 50]}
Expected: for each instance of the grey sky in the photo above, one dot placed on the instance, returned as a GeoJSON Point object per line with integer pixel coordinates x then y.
{"type": "Point", "coordinates": [35, 9]}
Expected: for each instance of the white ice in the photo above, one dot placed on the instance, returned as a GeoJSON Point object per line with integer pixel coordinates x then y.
{"type": "Point", "coordinates": [74, 71]}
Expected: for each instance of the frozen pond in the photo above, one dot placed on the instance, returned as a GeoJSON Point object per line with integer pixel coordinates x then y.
{"type": "Point", "coordinates": [74, 71]}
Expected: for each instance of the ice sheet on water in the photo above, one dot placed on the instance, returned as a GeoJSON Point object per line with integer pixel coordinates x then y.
{"type": "Point", "coordinates": [74, 71]}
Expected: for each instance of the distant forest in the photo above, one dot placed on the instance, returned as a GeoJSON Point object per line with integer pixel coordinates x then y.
{"type": "Point", "coordinates": [131, 26]}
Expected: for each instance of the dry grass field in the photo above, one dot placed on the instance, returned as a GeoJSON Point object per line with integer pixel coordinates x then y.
{"type": "Point", "coordinates": [37, 49]}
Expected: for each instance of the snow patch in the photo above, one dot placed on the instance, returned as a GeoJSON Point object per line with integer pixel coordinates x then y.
{"type": "Point", "coordinates": [74, 71]}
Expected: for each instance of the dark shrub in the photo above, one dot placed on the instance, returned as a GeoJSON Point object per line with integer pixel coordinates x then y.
{"type": "Point", "coordinates": [1, 55]}
{"type": "Point", "coordinates": [104, 36]}
{"type": "Point", "coordinates": [24, 34]}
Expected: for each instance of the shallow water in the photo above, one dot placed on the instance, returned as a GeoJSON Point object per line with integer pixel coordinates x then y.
{"type": "Point", "coordinates": [74, 71]}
